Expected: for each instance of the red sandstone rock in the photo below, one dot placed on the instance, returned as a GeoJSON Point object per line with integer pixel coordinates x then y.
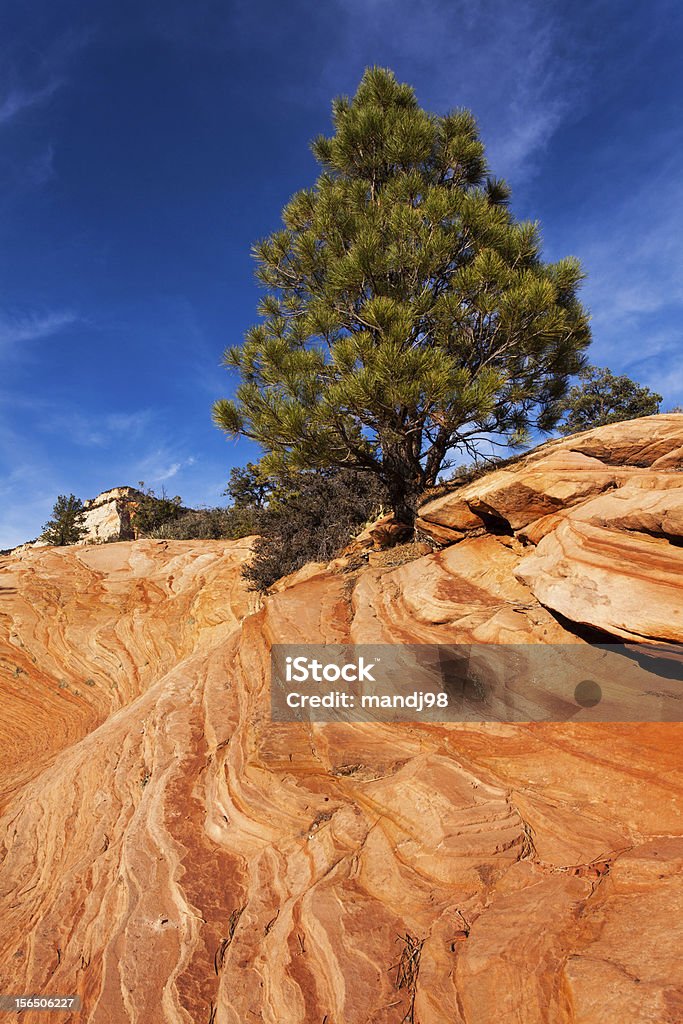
{"type": "Point", "coordinates": [560, 475]}
{"type": "Point", "coordinates": [172, 855]}
{"type": "Point", "coordinates": [619, 581]}
{"type": "Point", "coordinates": [605, 509]}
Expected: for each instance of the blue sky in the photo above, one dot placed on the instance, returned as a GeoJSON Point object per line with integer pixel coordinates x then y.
{"type": "Point", "coordinates": [145, 147]}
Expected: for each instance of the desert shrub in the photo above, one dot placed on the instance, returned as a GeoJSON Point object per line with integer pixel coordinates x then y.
{"type": "Point", "coordinates": [210, 524]}
{"type": "Point", "coordinates": [309, 519]}
{"type": "Point", "coordinates": [152, 511]}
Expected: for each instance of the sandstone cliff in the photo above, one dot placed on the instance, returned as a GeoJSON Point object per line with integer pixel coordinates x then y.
{"type": "Point", "coordinates": [110, 514]}
{"type": "Point", "coordinates": [170, 854]}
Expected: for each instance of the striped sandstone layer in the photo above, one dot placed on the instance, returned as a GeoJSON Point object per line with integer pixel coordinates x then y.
{"type": "Point", "coordinates": [171, 855]}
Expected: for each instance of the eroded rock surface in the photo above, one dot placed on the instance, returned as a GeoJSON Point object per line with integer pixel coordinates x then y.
{"type": "Point", "coordinates": [85, 630]}
{"type": "Point", "coordinates": [170, 854]}
{"type": "Point", "coordinates": [601, 514]}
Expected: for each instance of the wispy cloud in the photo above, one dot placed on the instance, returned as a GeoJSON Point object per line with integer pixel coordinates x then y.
{"type": "Point", "coordinates": [508, 62]}
{"type": "Point", "coordinates": [162, 464]}
{"type": "Point", "coordinates": [504, 61]}
{"type": "Point", "coordinates": [27, 481]}
{"type": "Point", "coordinates": [19, 99]}
{"type": "Point", "coordinates": [89, 430]}
{"type": "Point", "coordinates": [30, 82]}
{"type": "Point", "coordinates": [630, 249]}
{"type": "Point", "coordinates": [18, 328]}
{"type": "Point", "coordinates": [633, 254]}
{"type": "Point", "coordinates": [41, 169]}
{"type": "Point", "coordinates": [31, 77]}
{"type": "Point", "coordinates": [130, 423]}
{"type": "Point", "coordinates": [169, 472]}
{"type": "Point", "coordinates": [537, 102]}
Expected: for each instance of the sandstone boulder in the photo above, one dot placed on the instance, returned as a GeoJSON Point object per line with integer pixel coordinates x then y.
{"type": "Point", "coordinates": [605, 509]}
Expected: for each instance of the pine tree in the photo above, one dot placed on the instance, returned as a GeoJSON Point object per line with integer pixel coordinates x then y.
{"type": "Point", "coordinates": [601, 397]}
{"type": "Point", "coordinates": [67, 525]}
{"type": "Point", "coordinates": [406, 312]}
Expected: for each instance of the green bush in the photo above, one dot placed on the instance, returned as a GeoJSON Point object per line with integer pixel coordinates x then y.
{"type": "Point", "coordinates": [310, 519]}
{"type": "Point", "coordinates": [210, 524]}
{"type": "Point", "coordinates": [153, 511]}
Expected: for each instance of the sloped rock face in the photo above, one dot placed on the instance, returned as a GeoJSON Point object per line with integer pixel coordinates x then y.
{"type": "Point", "coordinates": [176, 856]}
{"type": "Point", "coordinates": [602, 516]}
{"type": "Point", "coordinates": [85, 630]}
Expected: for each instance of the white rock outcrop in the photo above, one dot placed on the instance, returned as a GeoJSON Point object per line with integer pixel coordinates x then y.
{"type": "Point", "coordinates": [108, 516]}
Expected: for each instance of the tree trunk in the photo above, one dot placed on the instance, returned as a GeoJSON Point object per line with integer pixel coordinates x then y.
{"type": "Point", "coordinates": [402, 499]}
{"type": "Point", "coordinates": [402, 476]}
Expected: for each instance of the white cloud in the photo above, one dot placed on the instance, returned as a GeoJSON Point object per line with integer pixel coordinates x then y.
{"type": "Point", "coordinates": [17, 99]}
{"type": "Point", "coordinates": [96, 431]}
{"type": "Point", "coordinates": [632, 255]}
{"type": "Point", "coordinates": [504, 61]}
{"type": "Point", "coordinates": [27, 484]}
{"type": "Point", "coordinates": [16, 329]}
{"type": "Point", "coordinates": [161, 465]}
{"type": "Point", "coordinates": [129, 423]}
{"type": "Point", "coordinates": [30, 83]}
{"type": "Point", "coordinates": [168, 472]}
{"type": "Point", "coordinates": [631, 251]}
{"type": "Point", "coordinates": [174, 469]}
{"type": "Point", "coordinates": [30, 78]}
